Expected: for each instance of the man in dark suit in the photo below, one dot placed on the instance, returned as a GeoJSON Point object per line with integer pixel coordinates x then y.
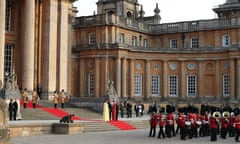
{"type": "Point", "coordinates": [10, 109]}
{"type": "Point", "coordinates": [15, 104]}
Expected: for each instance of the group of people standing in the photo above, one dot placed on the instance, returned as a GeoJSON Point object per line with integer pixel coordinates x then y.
{"type": "Point", "coordinates": [12, 109]}
{"type": "Point", "coordinates": [59, 98]}
{"type": "Point", "coordinates": [110, 110]}
{"type": "Point", "coordinates": [25, 97]}
{"type": "Point", "coordinates": [190, 123]}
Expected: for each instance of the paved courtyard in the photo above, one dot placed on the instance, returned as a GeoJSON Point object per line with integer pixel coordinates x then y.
{"type": "Point", "coordinates": [113, 137]}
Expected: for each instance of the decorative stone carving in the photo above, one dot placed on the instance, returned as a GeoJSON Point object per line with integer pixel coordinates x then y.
{"type": "Point", "coordinates": [3, 112]}
{"type": "Point", "coordinates": [4, 130]}
{"type": "Point", "coordinates": [10, 91]}
{"type": "Point", "coordinates": [111, 91]}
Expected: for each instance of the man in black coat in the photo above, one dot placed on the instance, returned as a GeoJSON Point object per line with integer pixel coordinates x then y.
{"type": "Point", "coordinates": [15, 104]}
{"type": "Point", "coordinates": [10, 109]}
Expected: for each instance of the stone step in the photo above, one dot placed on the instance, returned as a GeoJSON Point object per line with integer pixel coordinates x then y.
{"type": "Point", "coordinates": [98, 126]}
{"type": "Point", "coordinates": [140, 124]}
{"type": "Point", "coordinates": [36, 114]}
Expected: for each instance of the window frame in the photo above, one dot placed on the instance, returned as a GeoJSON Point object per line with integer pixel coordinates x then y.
{"type": "Point", "coordinates": [194, 42]}
{"type": "Point", "coordinates": [134, 41]}
{"type": "Point", "coordinates": [91, 84]}
{"type": "Point", "coordinates": [191, 86]}
{"type": "Point", "coordinates": [138, 85]}
{"type": "Point", "coordinates": [226, 85]}
{"type": "Point", "coordinates": [173, 87]}
{"type": "Point", "coordinates": [226, 41]}
{"type": "Point", "coordinates": [121, 38]}
{"type": "Point", "coordinates": [92, 38]}
{"type": "Point", "coordinates": [8, 58]}
{"type": "Point", "coordinates": [173, 43]}
{"type": "Point", "coordinates": [8, 15]}
{"type": "Point", "coordinates": [156, 85]}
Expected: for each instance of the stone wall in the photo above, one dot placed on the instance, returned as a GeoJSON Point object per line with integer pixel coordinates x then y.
{"type": "Point", "coordinates": [41, 129]}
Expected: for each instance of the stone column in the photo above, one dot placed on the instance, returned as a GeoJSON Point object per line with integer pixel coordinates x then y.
{"type": "Point", "coordinates": [29, 26]}
{"type": "Point", "coordinates": [63, 46]}
{"type": "Point", "coordinates": [218, 86]}
{"type": "Point", "coordinates": [201, 79]}
{"type": "Point", "coordinates": [97, 78]}
{"type": "Point", "coordinates": [131, 78]}
{"type": "Point", "coordinates": [49, 46]}
{"type": "Point", "coordinates": [147, 83]}
{"type": "Point", "coordinates": [238, 79]}
{"type": "Point", "coordinates": [124, 79]}
{"type": "Point", "coordinates": [165, 79]}
{"type": "Point", "coordinates": [183, 81]}
{"type": "Point", "coordinates": [118, 76]}
{"type": "Point", "coordinates": [232, 79]}
{"type": "Point", "coordinates": [2, 37]}
{"type": "Point", "coordinates": [82, 78]}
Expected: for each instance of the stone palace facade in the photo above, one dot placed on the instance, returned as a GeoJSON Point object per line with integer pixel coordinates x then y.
{"type": "Point", "coordinates": [48, 48]}
{"type": "Point", "coordinates": [190, 61]}
{"type": "Point", "coordinates": [35, 42]}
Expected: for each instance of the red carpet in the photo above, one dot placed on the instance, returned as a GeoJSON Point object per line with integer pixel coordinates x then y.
{"type": "Point", "coordinates": [56, 112]}
{"type": "Point", "coordinates": [122, 125]}
{"type": "Point", "coordinates": [59, 113]}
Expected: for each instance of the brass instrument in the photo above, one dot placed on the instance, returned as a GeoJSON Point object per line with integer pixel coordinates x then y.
{"type": "Point", "coordinates": [232, 114]}
{"type": "Point", "coordinates": [226, 114]}
{"type": "Point", "coordinates": [217, 116]}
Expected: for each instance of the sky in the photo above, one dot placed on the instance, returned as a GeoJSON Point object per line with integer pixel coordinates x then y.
{"type": "Point", "coordinates": [171, 10]}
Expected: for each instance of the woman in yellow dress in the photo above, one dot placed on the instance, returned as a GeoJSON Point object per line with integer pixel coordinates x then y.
{"type": "Point", "coordinates": [105, 111]}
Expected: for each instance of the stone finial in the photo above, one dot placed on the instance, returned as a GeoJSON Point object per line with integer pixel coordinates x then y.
{"type": "Point", "coordinates": [156, 10]}
{"type": "Point", "coordinates": [142, 12]}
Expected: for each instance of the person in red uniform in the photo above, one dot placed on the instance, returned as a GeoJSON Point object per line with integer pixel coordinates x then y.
{"type": "Point", "coordinates": [182, 126]}
{"type": "Point", "coordinates": [213, 128]}
{"type": "Point", "coordinates": [153, 124]}
{"type": "Point", "coordinates": [170, 130]}
{"type": "Point", "coordinates": [231, 129]}
{"type": "Point", "coordinates": [161, 125]}
{"type": "Point", "coordinates": [237, 127]}
{"type": "Point", "coordinates": [224, 127]}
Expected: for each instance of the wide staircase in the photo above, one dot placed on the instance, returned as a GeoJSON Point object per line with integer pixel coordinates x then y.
{"type": "Point", "coordinates": [91, 120]}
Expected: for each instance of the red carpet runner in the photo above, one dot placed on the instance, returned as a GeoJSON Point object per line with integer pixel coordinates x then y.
{"type": "Point", "coordinates": [122, 125]}
{"type": "Point", "coordinates": [56, 112]}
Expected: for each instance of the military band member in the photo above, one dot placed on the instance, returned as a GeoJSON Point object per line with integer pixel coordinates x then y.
{"type": "Point", "coordinates": [153, 124]}
{"type": "Point", "coordinates": [237, 127]}
{"type": "Point", "coordinates": [231, 129]}
{"type": "Point", "coordinates": [224, 126]}
{"type": "Point", "coordinates": [170, 130]}
{"type": "Point", "coordinates": [182, 125]}
{"type": "Point", "coordinates": [25, 98]}
{"type": "Point", "coordinates": [206, 124]}
{"type": "Point", "coordinates": [161, 123]}
{"type": "Point", "coordinates": [214, 128]}
{"type": "Point", "coordinates": [34, 98]}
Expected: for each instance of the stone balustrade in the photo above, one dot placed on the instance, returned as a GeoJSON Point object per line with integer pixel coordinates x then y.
{"type": "Point", "coordinates": [186, 26]}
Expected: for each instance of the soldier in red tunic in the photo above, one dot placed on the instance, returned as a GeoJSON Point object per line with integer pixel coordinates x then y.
{"type": "Point", "coordinates": [161, 123]}
{"type": "Point", "coordinates": [237, 127]}
{"type": "Point", "coordinates": [182, 126]}
{"type": "Point", "coordinates": [231, 128]}
{"type": "Point", "coordinates": [153, 124]}
{"type": "Point", "coordinates": [214, 128]}
{"type": "Point", "coordinates": [224, 126]}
